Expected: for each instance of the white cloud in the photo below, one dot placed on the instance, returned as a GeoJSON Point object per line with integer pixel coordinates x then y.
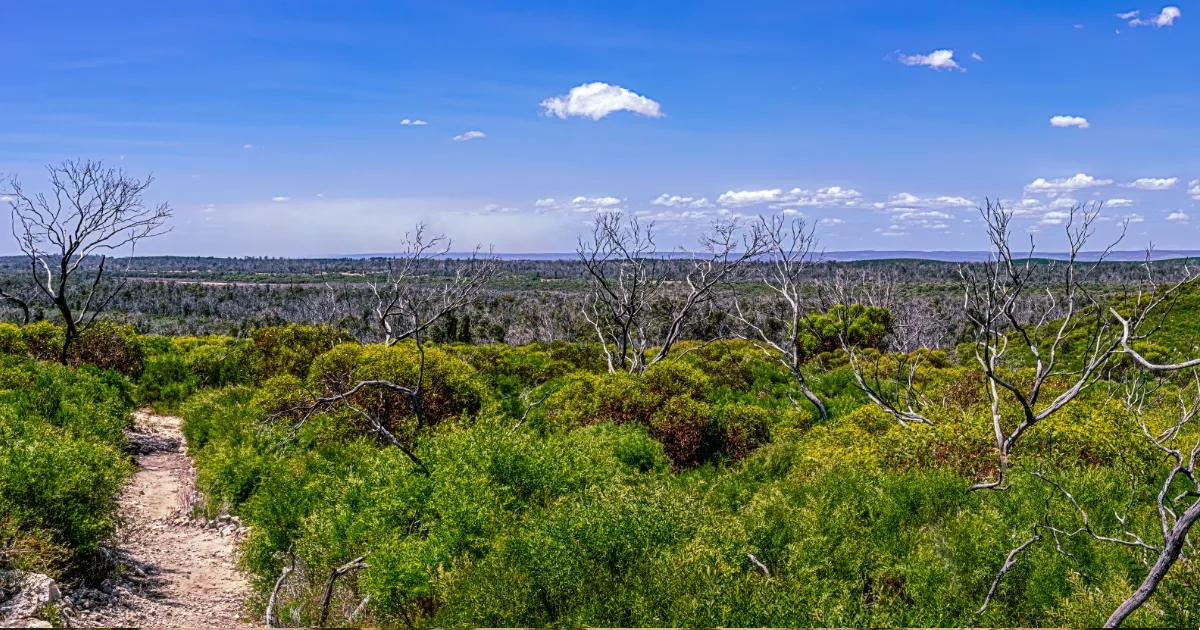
{"type": "Point", "coordinates": [831, 221]}
{"type": "Point", "coordinates": [938, 60]}
{"type": "Point", "coordinates": [976, 56]}
{"type": "Point", "coordinates": [5, 198]}
{"type": "Point", "coordinates": [961, 202]}
{"type": "Point", "coordinates": [247, 146]}
{"type": "Point", "coordinates": [470, 135]}
{"type": "Point", "coordinates": [1055, 186]}
{"type": "Point", "coordinates": [1179, 216]}
{"type": "Point", "coordinates": [1194, 189]}
{"type": "Point", "coordinates": [413, 122]}
{"type": "Point", "coordinates": [1166, 17]}
{"type": "Point", "coordinates": [1118, 203]}
{"type": "Point", "coordinates": [909, 200]}
{"type": "Point", "coordinates": [578, 204]}
{"type": "Point", "coordinates": [1055, 217]}
{"type": "Point", "coordinates": [904, 199]}
{"type": "Point", "coordinates": [1152, 183]}
{"type": "Point", "coordinates": [822, 197]}
{"type": "Point", "coordinates": [1129, 15]}
{"type": "Point", "coordinates": [601, 202]}
{"type": "Point", "coordinates": [597, 100]}
{"type": "Point", "coordinates": [749, 197]}
{"type": "Point", "coordinates": [1070, 121]}
{"type": "Point", "coordinates": [281, 198]}
{"type": "Point", "coordinates": [796, 197]}
{"type": "Point", "coordinates": [1134, 218]}
{"type": "Point", "coordinates": [676, 201]}
{"type": "Point", "coordinates": [1078, 26]}
{"type": "Point", "coordinates": [926, 214]}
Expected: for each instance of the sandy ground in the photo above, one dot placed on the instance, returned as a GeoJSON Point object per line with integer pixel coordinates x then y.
{"type": "Point", "coordinates": [175, 571]}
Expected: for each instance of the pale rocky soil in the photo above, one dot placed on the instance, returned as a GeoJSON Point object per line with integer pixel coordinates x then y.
{"type": "Point", "coordinates": [173, 571]}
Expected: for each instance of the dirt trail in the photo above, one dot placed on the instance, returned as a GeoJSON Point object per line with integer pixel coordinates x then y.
{"type": "Point", "coordinates": [175, 571]}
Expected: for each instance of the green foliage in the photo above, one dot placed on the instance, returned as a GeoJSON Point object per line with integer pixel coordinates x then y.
{"type": "Point", "coordinates": [43, 340]}
{"type": "Point", "coordinates": [863, 327]}
{"type": "Point", "coordinates": [179, 366]}
{"type": "Point", "coordinates": [110, 346]}
{"type": "Point", "coordinates": [448, 387]}
{"type": "Point", "coordinates": [291, 349]}
{"type": "Point", "coordinates": [61, 464]}
{"type": "Point", "coordinates": [11, 340]}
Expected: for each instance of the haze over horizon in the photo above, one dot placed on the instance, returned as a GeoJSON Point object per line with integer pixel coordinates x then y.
{"type": "Point", "coordinates": [314, 129]}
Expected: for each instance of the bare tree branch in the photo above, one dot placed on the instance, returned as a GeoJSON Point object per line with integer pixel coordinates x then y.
{"type": "Point", "coordinates": [90, 210]}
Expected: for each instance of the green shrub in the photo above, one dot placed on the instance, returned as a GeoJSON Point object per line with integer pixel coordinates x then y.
{"type": "Point", "coordinates": [43, 340]}
{"type": "Point", "coordinates": [110, 346]}
{"type": "Point", "coordinates": [291, 349]}
{"type": "Point", "coordinates": [448, 387]}
{"type": "Point", "coordinates": [166, 379]}
{"type": "Point", "coordinates": [61, 462]}
{"type": "Point", "coordinates": [11, 340]}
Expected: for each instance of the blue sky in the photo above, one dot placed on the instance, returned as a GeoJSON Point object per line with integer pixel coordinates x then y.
{"type": "Point", "coordinates": [275, 128]}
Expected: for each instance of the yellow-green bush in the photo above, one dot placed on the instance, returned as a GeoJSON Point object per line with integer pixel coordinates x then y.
{"type": "Point", "coordinates": [108, 345]}
{"type": "Point", "coordinates": [11, 340]}
{"type": "Point", "coordinates": [448, 386]}
{"type": "Point", "coordinates": [291, 349]}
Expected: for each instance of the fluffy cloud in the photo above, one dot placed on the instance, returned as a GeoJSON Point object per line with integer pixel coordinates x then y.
{"type": "Point", "coordinates": [281, 198]}
{"type": "Point", "coordinates": [744, 198]}
{"type": "Point", "coordinates": [676, 201]}
{"type": "Point", "coordinates": [597, 100]}
{"type": "Point", "coordinates": [1194, 189]}
{"type": "Point", "coordinates": [831, 221]}
{"type": "Point", "coordinates": [1166, 17]}
{"type": "Point", "coordinates": [908, 200]}
{"type": "Point", "coordinates": [1152, 183]}
{"type": "Point", "coordinates": [413, 122]}
{"type": "Point", "coordinates": [1179, 216]}
{"type": "Point", "coordinates": [796, 197]}
{"type": "Point", "coordinates": [1055, 186]}
{"type": "Point", "coordinates": [976, 56]}
{"type": "Point", "coordinates": [1134, 218]}
{"type": "Point", "coordinates": [1070, 121]}
{"type": "Point", "coordinates": [1118, 203]}
{"type": "Point", "coordinates": [470, 135]}
{"type": "Point", "coordinates": [938, 60]}
{"type": "Point", "coordinates": [599, 202]}
{"type": "Point", "coordinates": [578, 204]}
{"type": "Point", "coordinates": [820, 198]}
{"type": "Point", "coordinates": [1055, 217]}
{"type": "Point", "coordinates": [247, 146]}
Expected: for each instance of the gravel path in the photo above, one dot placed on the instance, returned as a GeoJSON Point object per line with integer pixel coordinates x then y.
{"type": "Point", "coordinates": [175, 571]}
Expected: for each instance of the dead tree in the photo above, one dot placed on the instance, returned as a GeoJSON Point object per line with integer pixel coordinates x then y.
{"type": "Point", "coordinates": [1004, 310]}
{"type": "Point", "coordinates": [90, 210]}
{"type": "Point", "coordinates": [1177, 501]}
{"type": "Point", "coordinates": [788, 247]}
{"type": "Point", "coordinates": [995, 309]}
{"type": "Point", "coordinates": [410, 300]}
{"type": "Point", "coordinates": [634, 304]}
{"type": "Point", "coordinates": [845, 298]}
